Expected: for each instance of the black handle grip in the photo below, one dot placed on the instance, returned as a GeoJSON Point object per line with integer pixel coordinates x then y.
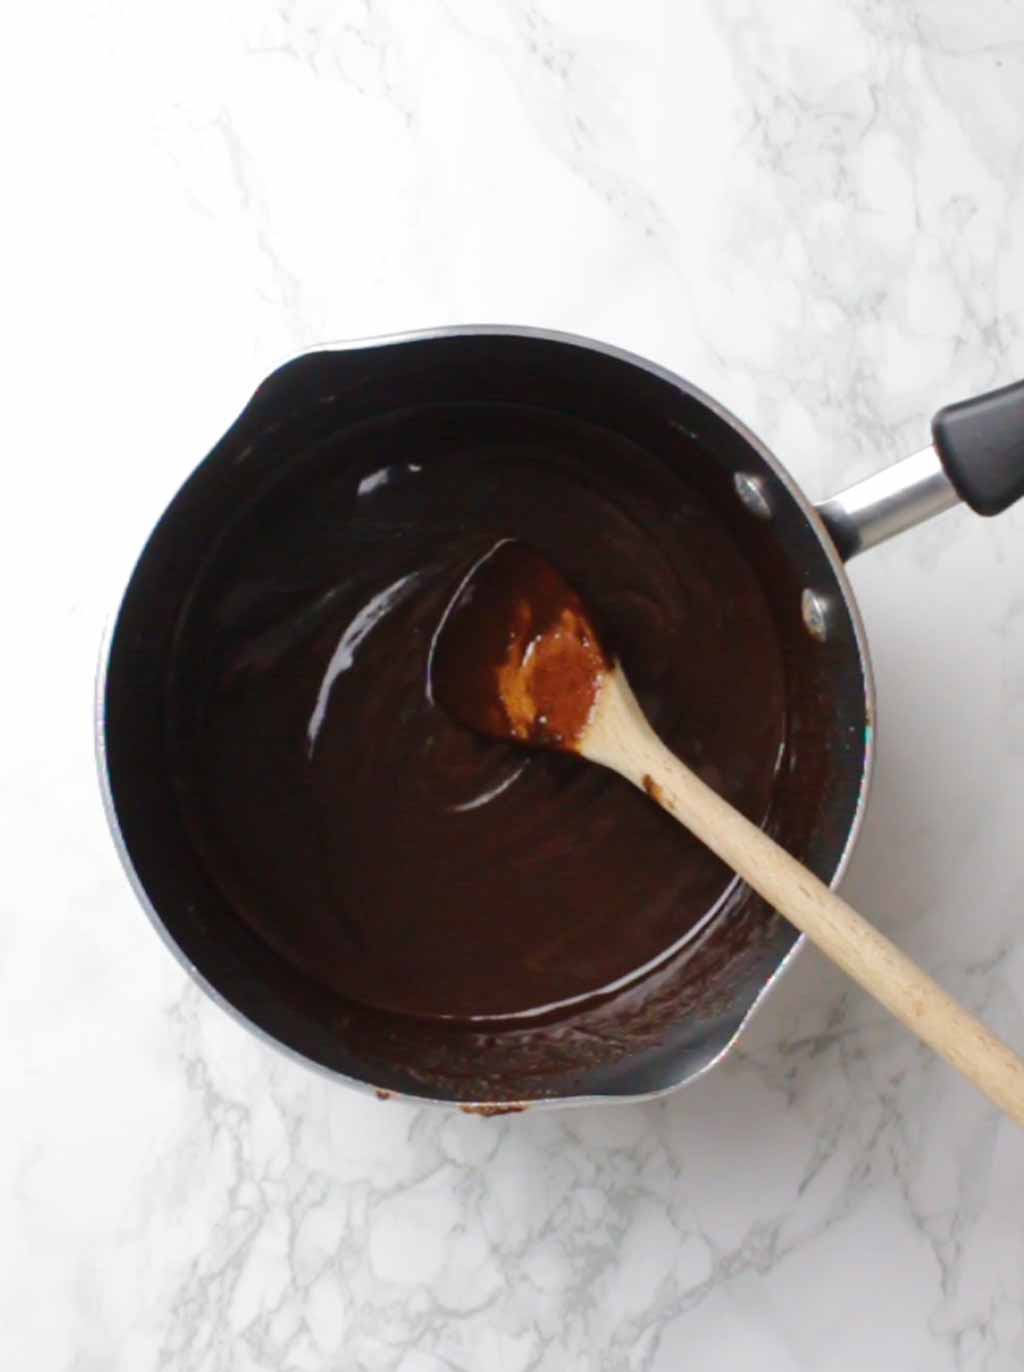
{"type": "Point", "coordinates": [980, 443]}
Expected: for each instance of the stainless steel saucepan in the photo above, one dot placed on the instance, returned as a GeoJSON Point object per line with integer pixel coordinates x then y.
{"type": "Point", "coordinates": [686, 1016]}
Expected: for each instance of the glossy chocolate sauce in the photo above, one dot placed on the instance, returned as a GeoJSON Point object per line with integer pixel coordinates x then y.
{"type": "Point", "coordinates": [393, 855]}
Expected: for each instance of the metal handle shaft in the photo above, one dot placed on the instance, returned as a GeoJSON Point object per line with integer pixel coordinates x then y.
{"type": "Point", "coordinates": [887, 503]}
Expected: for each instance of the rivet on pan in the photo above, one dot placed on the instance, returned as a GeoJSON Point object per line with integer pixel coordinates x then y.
{"type": "Point", "coordinates": [814, 608]}
{"type": "Point", "coordinates": [751, 491]}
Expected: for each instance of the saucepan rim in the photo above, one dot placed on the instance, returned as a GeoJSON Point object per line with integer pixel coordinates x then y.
{"type": "Point", "coordinates": [842, 583]}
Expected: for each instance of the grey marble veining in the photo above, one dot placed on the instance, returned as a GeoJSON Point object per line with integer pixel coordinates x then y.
{"type": "Point", "coordinates": [815, 210]}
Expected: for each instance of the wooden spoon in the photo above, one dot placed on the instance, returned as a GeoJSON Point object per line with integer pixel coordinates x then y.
{"type": "Point", "coordinates": [516, 657]}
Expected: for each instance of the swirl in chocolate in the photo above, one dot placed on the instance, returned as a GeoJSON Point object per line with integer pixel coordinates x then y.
{"type": "Point", "coordinates": [391, 854]}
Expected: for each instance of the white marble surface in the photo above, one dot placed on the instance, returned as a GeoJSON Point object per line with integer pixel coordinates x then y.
{"type": "Point", "coordinates": [815, 210]}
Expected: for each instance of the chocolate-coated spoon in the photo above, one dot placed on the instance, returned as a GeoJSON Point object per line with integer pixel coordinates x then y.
{"type": "Point", "coordinates": [516, 657]}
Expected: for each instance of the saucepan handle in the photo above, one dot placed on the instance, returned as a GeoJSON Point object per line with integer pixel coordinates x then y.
{"type": "Point", "coordinates": [977, 456]}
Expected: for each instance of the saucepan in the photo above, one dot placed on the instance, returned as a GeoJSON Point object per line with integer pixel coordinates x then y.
{"type": "Point", "coordinates": [685, 1016]}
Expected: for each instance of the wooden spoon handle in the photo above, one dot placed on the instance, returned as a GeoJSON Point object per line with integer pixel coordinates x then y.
{"type": "Point", "coordinates": [838, 930]}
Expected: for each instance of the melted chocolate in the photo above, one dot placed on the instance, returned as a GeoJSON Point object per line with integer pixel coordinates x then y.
{"type": "Point", "coordinates": [384, 850]}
